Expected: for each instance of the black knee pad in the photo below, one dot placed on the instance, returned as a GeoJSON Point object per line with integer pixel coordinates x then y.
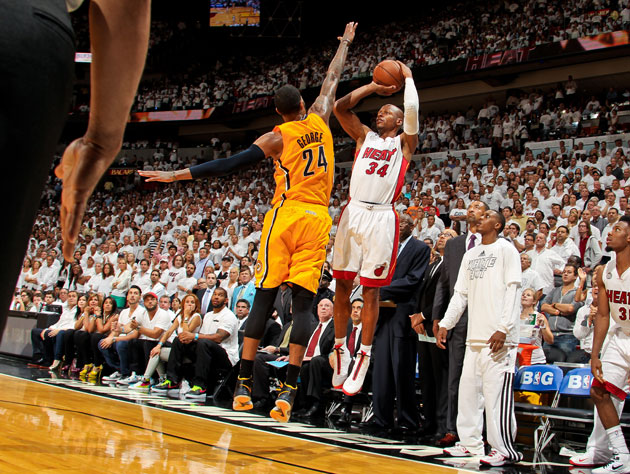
{"type": "Point", "coordinates": [302, 315]}
{"type": "Point", "coordinates": [261, 311]}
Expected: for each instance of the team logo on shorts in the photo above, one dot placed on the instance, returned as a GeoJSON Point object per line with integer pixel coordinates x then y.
{"type": "Point", "coordinates": [378, 271]}
{"type": "Point", "coordinates": [258, 266]}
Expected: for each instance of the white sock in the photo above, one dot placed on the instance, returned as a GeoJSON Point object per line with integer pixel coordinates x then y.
{"type": "Point", "coordinates": [340, 341]}
{"type": "Point", "coordinates": [617, 441]}
{"type": "Point", "coordinates": [366, 349]}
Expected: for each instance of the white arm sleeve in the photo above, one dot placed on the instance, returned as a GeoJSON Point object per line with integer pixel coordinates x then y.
{"type": "Point", "coordinates": [412, 106]}
{"type": "Point", "coordinates": [511, 308]}
{"type": "Point", "coordinates": [456, 308]}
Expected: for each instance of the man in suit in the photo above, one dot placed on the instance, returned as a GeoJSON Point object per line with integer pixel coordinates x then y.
{"type": "Point", "coordinates": [283, 303]}
{"type": "Point", "coordinates": [206, 287]}
{"type": "Point", "coordinates": [353, 343]}
{"type": "Point", "coordinates": [433, 362]}
{"type": "Point", "coordinates": [316, 372]}
{"type": "Point", "coordinates": [279, 351]}
{"type": "Point", "coordinates": [245, 290]}
{"type": "Point", "coordinates": [456, 343]}
{"type": "Point", "coordinates": [394, 339]}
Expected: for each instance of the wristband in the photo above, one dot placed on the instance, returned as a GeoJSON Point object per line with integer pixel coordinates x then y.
{"type": "Point", "coordinates": [197, 337]}
{"type": "Point", "coordinates": [114, 339]}
{"type": "Point", "coordinates": [160, 343]}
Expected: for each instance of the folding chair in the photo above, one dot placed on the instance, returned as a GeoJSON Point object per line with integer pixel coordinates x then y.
{"type": "Point", "coordinates": [539, 379]}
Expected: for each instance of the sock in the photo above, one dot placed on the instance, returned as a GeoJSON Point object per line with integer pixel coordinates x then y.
{"type": "Point", "coordinates": [293, 372]}
{"type": "Point", "coordinates": [617, 441]}
{"type": "Point", "coordinates": [340, 341]}
{"type": "Point", "coordinates": [247, 368]}
{"type": "Point", "coordinates": [366, 349]}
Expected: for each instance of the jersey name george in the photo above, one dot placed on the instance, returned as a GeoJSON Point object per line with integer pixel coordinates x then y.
{"type": "Point", "coordinates": [379, 170]}
{"type": "Point", "coordinates": [305, 170]}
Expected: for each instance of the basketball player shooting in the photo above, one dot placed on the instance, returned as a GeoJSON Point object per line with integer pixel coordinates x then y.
{"type": "Point", "coordinates": [368, 227]}
{"type": "Point", "coordinates": [296, 229]}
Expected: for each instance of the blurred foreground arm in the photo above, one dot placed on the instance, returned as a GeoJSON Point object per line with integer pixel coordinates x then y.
{"type": "Point", "coordinates": [119, 33]}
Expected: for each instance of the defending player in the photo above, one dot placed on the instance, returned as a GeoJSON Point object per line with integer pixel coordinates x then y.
{"type": "Point", "coordinates": [295, 232]}
{"type": "Point", "coordinates": [610, 373]}
{"type": "Point", "coordinates": [489, 282]}
{"type": "Point", "coordinates": [368, 227]}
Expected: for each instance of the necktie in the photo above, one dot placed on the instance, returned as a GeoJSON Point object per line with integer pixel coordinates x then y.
{"type": "Point", "coordinates": [206, 299]}
{"type": "Point", "coordinates": [471, 244]}
{"type": "Point", "coordinates": [314, 340]}
{"type": "Point", "coordinates": [287, 337]}
{"type": "Point", "coordinates": [352, 341]}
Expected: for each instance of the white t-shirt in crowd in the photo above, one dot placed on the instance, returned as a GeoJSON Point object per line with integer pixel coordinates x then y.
{"type": "Point", "coordinates": [226, 320]}
{"type": "Point", "coordinates": [161, 319]}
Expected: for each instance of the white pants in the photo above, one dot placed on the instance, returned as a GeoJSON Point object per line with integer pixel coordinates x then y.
{"type": "Point", "coordinates": [615, 367]}
{"type": "Point", "coordinates": [486, 383]}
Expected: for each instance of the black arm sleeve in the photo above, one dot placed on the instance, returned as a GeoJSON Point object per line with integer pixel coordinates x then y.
{"type": "Point", "coordinates": [223, 167]}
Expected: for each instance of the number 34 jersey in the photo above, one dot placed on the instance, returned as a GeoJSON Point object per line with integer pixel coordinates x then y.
{"type": "Point", "coordinates": [378, 173]}
{"type": "Point", "coordinates": [305, 170]}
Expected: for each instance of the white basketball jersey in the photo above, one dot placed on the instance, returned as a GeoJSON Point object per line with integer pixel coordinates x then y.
{"type": "Point", "coordinates": [618, 293]}
{"type": "Point", "coordinates": [378, 173]}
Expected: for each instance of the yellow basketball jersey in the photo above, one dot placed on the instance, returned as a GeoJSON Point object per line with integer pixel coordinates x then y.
{"type": "Point", "coordinates": [306, 168]}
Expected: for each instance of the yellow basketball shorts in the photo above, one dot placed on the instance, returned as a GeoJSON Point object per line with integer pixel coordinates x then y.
{"type": "Point", "coordinates": [293, 245]}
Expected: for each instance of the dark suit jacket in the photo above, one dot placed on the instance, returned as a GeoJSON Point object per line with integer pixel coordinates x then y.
{"type": "Point", "coordinates": [284, 308]}
{"type": "Point", "coordinates": [403, 290]}
{"type": "Point", "coordinates": [453, 255]}
{"type": "Point", "coordinates": [427, 293]}
{"type": "Point", "coordinates": [326, 339]}
{"type": "Point", "coordinates": [200, 294]}
{"type": "Point", "coordinates": [272, 331]}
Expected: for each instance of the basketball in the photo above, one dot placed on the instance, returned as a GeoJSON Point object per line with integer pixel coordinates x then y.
{"type": "Point", "coordinates": [388, 73]}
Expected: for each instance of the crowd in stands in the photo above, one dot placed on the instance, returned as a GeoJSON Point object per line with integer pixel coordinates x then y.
{"type": "Point", "coordinates": [451, 32]}
{"type": "Point", "coordinates": [151, 259]}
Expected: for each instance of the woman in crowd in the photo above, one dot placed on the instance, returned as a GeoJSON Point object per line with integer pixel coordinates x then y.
{"type": "Point", "coordinates": [189, 319]}
{"type": "Point", "coordinates": [131, 261]}
{"type": "Point", "coordinates": [534, 329]}
{"type": "Point", "coordinates": [174, 274]}
{"type": "Point", "coordinates": [76, 281]}
{"type": "Point", "coordinates": [26, 268]}
{"type": "Point", "coordinates": [189, 257]}
{"type": "Point", "coordinates": [458, 215]}
{"type": "Point", "coordinates": [31, 279]}
{"type": "Point", "coordinates": [252, 251]}
{"type": "Point", "coordinates": [573, 218]}
{"type": "Point", "coordinates": [83, 330]}
{"type": "Point", "coordinates": [231, 282]}
{"type": "Point", "coordinates": [121, 283]}
{"type": "Point", "coordinates": [590, 251]}
{"type": "Point", "coordinates": [176, 306]}
{"type": "Point", "coordinates": [216, 252]}
{"type": "Point", "coordinates": [107, 277]}
{"type": "Point", "coordinates": [104, 321]}
{"type": "Point", "coordinates": [68, 335]}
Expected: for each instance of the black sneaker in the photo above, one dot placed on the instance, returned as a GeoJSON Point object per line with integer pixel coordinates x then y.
{"type": "Point", "coordinates": [243, 394]}
{"type": "Point", "coordinates": [284, 404]}
{"type": "Point", "coordinates": [164, 388]}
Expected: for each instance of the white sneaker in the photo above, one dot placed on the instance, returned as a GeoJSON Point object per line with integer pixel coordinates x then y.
{"type": "Point", "coordinates": [354, 382]}
{"type": "Point", "coordinates": [132, 379]}
{"type": "Point", "coordinates": [495, 458]}
{"type": "Point", "coordinates": [141, 386]}
{"type": "Point", "coordinates": [591, 458]}
{"type": "Point", "coordinates": [112, 377]}
{"type": "Point", "coordinates": [340, 360]}
{"type": "Point", "coordinates": [458, 451]}
{"type": "Point", "coordinates": [620, 463]}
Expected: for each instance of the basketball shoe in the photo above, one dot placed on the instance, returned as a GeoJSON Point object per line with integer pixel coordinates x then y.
{"type": "Point", "coordinates": [354, 382]}
{"type": "Point", "coordinates": [243, 394]}
{"type": "Point", "coordinates": [340, 360]}
{"type": "Point", "coordinates": [591, 458]}
{"type": "Point", "coordinates": [284, 404]}
{"type": "Point", "coordinates": [619, 463]}
{"type": "Point", "coordinates": [495, 459]}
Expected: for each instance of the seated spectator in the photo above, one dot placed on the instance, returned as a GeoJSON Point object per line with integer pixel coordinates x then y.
{"type": "Point", "coordinates": [533, 331]}
{"type": "Point", "coordinates": [316, 372]}
{"type": "Point", "coordinates": [188, 320]}
{"type": "Point", "coordinates": [213, 348]}
{"type": "Point", "coordinates": [104, 320]}
{"type": "Point", "coordinates": [560, 309]}
{"type": "Point", "coordinates": [583, 329]}
{"type": "Point", "coordinates": [84, 327]}
{"type": "Point", "coordinates": [115, 347]}
{"type": "Point", "coordinates": [48, 344]}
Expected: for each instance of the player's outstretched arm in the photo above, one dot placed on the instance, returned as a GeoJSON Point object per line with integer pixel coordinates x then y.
{"type": "Point", "coordinates": [269, 144]}
{"type": "Point", "coordinates": [411, 104]}
{"type": "Point", "coordinates": [323, 105]}
{"type": "Point", "coordinates": [119, 34]}
{"type": "Point", "coordinates": [601, 322]}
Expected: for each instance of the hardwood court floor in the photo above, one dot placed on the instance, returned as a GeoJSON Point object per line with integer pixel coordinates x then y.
{"type": "Point", "coordinates": [51, 429]}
